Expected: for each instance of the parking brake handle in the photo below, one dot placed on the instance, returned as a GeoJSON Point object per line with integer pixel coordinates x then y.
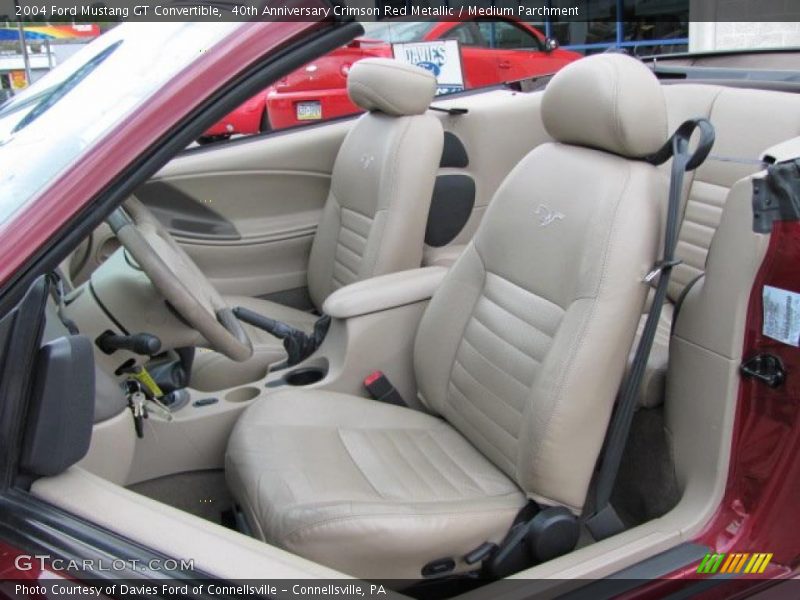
{"type": "Point", "coordinates": [298, 344]}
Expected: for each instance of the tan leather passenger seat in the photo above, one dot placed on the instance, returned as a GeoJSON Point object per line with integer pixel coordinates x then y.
{"type": "Point", "coordinates": [747, 122]}
{"type": "Point", "coordinates": [374, 218]}
{"type": "Point", "coordinates": [519, 354]}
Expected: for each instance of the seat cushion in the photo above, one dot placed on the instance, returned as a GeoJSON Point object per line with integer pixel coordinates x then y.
{"type": "Point", "coordinates": [372, 489]}
{"type": "Point", "coordinates": [213, 371]}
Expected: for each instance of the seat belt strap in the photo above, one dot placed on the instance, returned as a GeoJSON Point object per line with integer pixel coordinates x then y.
{"type": "Point", "coordinates": [605, 522]}
{"type": "Point", "coordinates": [59, 290]}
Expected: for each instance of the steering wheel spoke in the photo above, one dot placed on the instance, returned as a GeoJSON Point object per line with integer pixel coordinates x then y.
{"type": "Point", "coordinates": [176, 276]}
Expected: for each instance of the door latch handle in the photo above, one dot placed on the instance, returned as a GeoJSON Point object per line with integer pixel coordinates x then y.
{"type": "Point", "coordinates": [767, 368]}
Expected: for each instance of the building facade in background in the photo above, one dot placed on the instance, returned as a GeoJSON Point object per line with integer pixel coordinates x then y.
{"type": "Point", "coordinates": [641, 26]}
{"type": "Point", "coordinates": [732, 24]}
{"type": "Point", "coordinates": [647, 27]}
{"type": "Point", "coordinates": [46, 45]}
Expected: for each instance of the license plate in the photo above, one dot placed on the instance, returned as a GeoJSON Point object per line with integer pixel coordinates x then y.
{"type": "Point", "coordinates": [309, 111]}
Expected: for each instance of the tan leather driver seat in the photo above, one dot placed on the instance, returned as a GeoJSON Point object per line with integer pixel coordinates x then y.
{"type": "Point", "coordinates": [519, 356]}
{"type": "Point", "coordinates": [374, 218]}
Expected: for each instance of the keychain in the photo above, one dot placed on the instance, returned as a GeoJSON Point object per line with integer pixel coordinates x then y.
{"type": "Point", "coordinates": [136, 400]}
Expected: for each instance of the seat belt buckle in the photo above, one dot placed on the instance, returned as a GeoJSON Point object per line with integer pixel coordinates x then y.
{"type": "Point", "coordinates": [660, 267]}
{"type": "Point", "coordinates": [381, 389]}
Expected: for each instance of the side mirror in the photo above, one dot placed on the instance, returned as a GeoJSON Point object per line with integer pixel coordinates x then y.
{"type": "Point", "coordinates": [550, 44]}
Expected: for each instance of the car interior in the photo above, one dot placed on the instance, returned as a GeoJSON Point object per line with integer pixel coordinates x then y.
{"type": "Point", "coordinates": [374, 347]}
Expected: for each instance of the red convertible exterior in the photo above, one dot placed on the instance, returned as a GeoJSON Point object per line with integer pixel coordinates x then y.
{"type": "Point", "coordinates": [492, 52]}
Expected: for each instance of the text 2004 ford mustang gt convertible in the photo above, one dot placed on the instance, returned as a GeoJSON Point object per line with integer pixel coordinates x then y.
{"type": "Point", "coordinates": [413, 347]}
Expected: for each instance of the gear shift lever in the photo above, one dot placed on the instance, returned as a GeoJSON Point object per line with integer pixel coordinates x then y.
{"type": "Point", "coordinates": [298, 344]}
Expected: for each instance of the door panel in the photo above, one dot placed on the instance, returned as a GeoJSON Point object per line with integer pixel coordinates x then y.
{"type": "Point", "coordinates": [480, 67]}
{"type": "Point", "coordinates": [519, 54]}
{"type": "Point", "coordinates": [529, 63]}
{"type": "Point", "coordinates": [246, 211]}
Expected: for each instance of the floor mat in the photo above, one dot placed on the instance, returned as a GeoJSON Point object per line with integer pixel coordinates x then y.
{"type": "Point", "coordinates": [201, 493]}
{"type": "Point", "coordinates": [646, 485]}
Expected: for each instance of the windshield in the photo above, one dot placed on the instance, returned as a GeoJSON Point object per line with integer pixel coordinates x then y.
{"type": "Point", "coordinates": [397, 32]}
{"type": "Point", "coordinates": [44, 129]}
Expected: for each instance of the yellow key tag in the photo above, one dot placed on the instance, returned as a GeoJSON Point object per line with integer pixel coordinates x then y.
{"type": "Point", "coordinates": [143, 377]}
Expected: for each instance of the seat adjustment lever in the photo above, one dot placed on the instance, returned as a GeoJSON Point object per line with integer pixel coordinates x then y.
{"type": "Point", "coordinates": [553, 531]}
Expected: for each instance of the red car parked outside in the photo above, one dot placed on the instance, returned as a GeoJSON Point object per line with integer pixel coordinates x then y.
{"type": "Point", "coordinates": [492, 52]}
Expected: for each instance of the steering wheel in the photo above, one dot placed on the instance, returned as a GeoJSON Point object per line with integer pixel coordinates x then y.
{"type": "Point", "coordinates": [178, 279]}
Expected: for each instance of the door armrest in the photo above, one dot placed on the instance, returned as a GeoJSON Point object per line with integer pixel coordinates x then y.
{"type": "Point", "coordinates": [384, 292]}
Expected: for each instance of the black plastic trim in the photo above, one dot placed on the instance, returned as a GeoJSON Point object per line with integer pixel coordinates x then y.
{"type": "Point", "coordinates": [454, 154]}
{"type": "Point", "coordinates": [788, 87]}
{"type": "Point", "coordinates": [32, 525]}
{"type": "Point", "coordinates": [451, 207]}
{"type": "Point", "coordinates": [453, 112]}
{"type": "Point", "coordinates": [691, 73]}
{"type": "Point", "coordinates": [715, 54]}
{"type": "Point", "coordinates": [631, 578]}
{"type": "Point", "coordinates": [61, 407]}
{"type": "Point", "coordinates": [183, 215]}
{"type": "Point", "coordinates": [20, 336]}
{"type": "Point", "coordinates": [777, 196]}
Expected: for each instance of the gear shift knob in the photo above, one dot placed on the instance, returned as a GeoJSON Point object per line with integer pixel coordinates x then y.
{"type": "Point", "coordinates": [298, 344]}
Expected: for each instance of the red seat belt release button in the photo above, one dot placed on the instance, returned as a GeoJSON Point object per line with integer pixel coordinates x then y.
{"type": "Point", "coordinates": [381, 389]}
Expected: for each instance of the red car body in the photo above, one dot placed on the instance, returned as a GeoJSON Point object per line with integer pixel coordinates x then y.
{"type": "Point", "coordinates": [325, 79]}
{"type": "Point", "coordinates": [761, 491]}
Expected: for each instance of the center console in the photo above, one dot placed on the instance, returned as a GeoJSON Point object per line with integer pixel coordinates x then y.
{"type": "Point", "coordinates": [373, 325]}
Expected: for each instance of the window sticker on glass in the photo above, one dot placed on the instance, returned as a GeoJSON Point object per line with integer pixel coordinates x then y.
{"type": "Point", "coordinates": [782, 315]}
{"type": "Point", "coordinates": [441, 57]}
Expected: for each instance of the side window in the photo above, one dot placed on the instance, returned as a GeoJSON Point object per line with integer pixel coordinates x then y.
{"type": "Point", "coordinates": [314, 93]}
{"type": "Point", "coordinates": [508, 36]}
{"type": "Point", "coordinates": [467, 34]}
{"type": "Point", "coordinates": [487, 33]}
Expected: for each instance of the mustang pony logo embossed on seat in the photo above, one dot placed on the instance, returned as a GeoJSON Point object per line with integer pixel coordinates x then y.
{"type": "Point", "coordinates": [366, 161]}
{"type": "Point", "coordinates": [547, 215]}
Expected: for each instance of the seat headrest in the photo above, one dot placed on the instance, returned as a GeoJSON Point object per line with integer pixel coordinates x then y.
{"type": "Point", "coordinates": [391, 87]}
{"type": "Point", "coordinates": [611, 102]}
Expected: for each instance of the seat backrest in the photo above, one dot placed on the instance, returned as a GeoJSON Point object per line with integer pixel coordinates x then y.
{"type": "Point", "coordinates": [374, 218]}
{"type": "Point", "coordinates": [747, 122]}
{"type": "Point", "coordinates": [523, 346]}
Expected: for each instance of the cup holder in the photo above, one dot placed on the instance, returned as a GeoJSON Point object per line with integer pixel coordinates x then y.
{"type": "Point", "coordinates": [304, 376]}
{"type": "Point", "coordinates": [242, 394]}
